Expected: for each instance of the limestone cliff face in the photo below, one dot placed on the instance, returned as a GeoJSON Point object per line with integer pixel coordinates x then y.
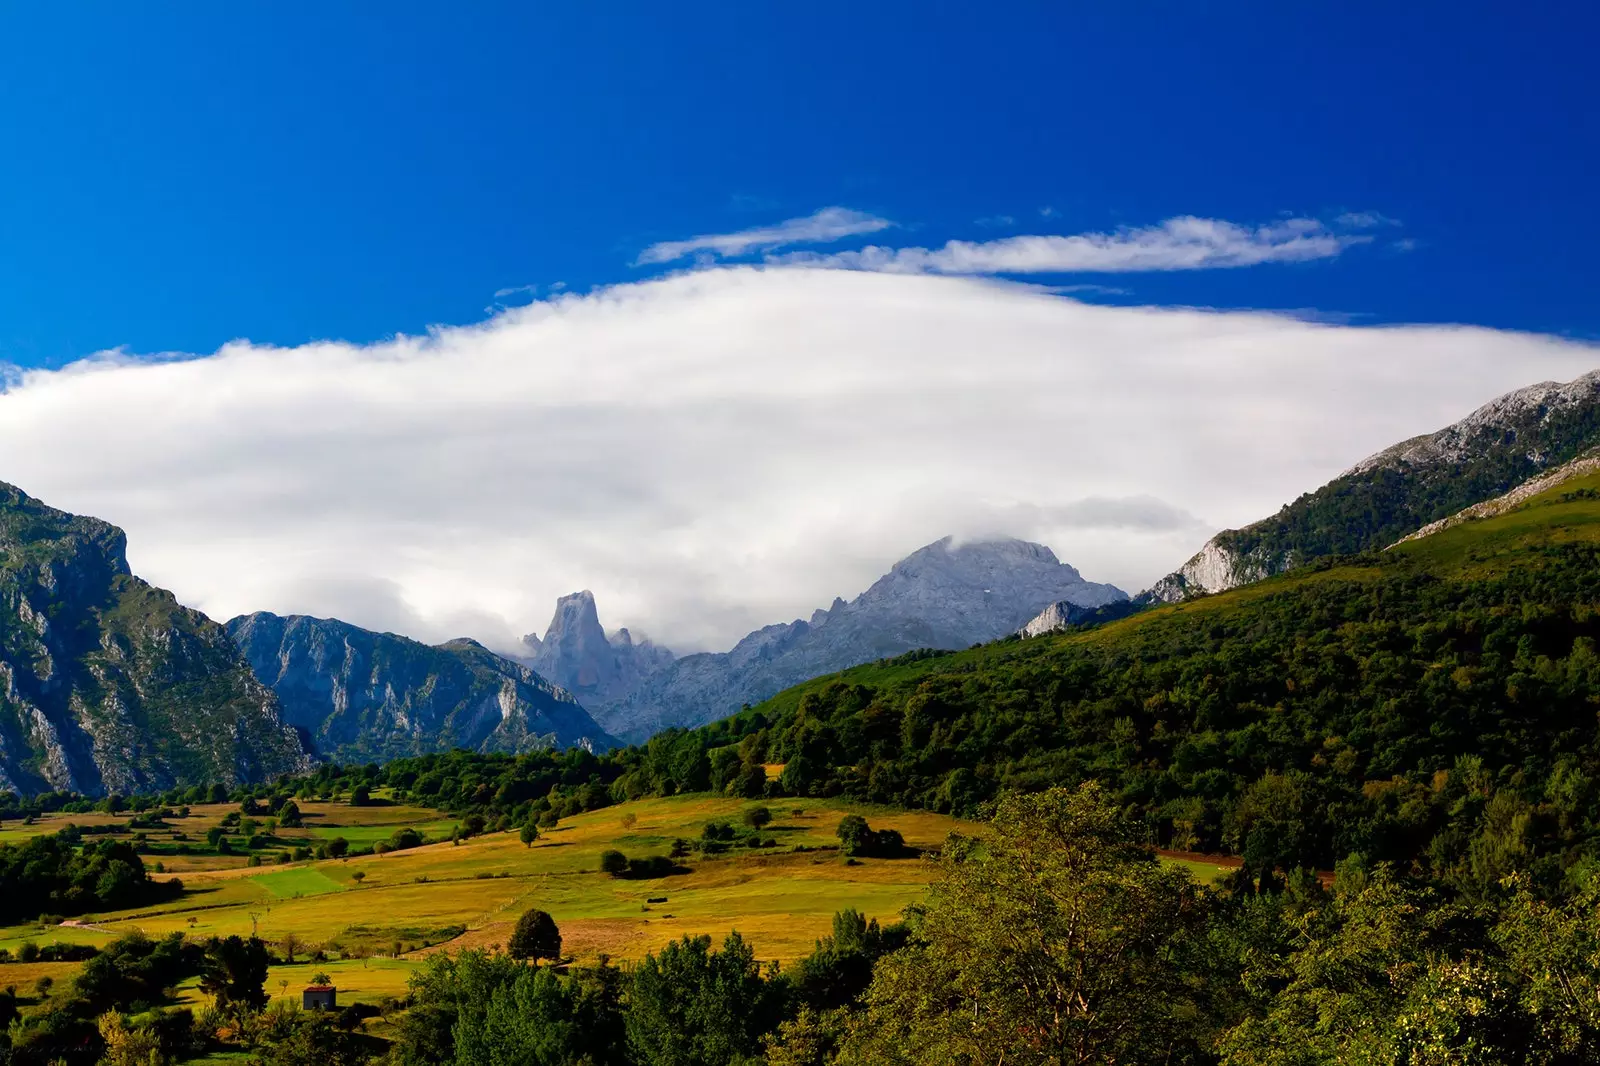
{"type": "Point", "coordinates": [360, 695]}
{"type": "Point", "coordinates": [1403, 488]}
{"type": "Point", "coordinates": [108, 684]}
{"type": "Point", "coordinates": [946, 595]}
{"type": "Point", "coordinates": [577, 654]}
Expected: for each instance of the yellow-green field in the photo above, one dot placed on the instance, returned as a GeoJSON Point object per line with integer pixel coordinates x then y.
{"type": "Point", "coordinates": [376, 916]}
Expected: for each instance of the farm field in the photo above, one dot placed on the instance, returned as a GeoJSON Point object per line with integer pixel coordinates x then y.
{"type": "Point", "coordinates": [376, 916]}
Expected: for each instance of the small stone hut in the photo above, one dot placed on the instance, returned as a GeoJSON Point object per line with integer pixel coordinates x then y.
{"type": "Point", "coordinates": [319, 997]}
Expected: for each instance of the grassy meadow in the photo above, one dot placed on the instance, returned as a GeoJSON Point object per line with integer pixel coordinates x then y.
{"type": "Point", "coordinates": [375, 916]}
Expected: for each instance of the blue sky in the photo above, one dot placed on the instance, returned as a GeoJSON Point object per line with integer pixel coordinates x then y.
{"type": "Point", "coordinates": [182, 175]}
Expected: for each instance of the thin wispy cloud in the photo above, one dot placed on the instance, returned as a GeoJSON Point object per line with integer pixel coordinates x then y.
{"type": "Point", "coordinates": [1184, 243]}
{"type": "Point", "coordinates": [1365, 220]}
{"type": "Point", "coordinates": [517, 290]}
{"type": "Point", "coordinates": [828, 224]}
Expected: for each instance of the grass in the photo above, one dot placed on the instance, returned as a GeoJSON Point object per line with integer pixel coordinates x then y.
{"type": "Point", "coordinates": [448, 897]}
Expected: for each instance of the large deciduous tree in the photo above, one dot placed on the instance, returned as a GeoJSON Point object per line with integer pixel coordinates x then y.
{"type": "Point", "coordinates": [1056, 938]}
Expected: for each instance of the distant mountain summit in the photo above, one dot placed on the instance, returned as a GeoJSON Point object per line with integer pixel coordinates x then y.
{"type": "Point", "coordinates": [108, 684]}
{"type": "Point", "coordinates": [1404, 487]}
{"type": "Point", "coordinates": [577, 654]}
{"type": "Point", "coordinates": [360, 695]}
{"type": "Point", "coordinates": [946, 595]}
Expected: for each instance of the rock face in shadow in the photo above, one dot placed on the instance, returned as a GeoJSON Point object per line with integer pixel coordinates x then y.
{"type": "Point", "coordinates": [946, 595]}
{"type": "Point", "coordinates": [360, 695]}
{"type": "Point", "coordinates": [108, 684]}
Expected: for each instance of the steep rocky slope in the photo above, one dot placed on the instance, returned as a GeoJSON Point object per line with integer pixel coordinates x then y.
{"type": "Point", "coordinates": [1404, 487]}
{"type": "Point", "coordinates": [107, 684]}
{"type": "Point", "coordinates": [362, 695]}
{"type": "Point", "coordinates": [577, 654]}
{"type": "Point", "coordinates": [945, 595]}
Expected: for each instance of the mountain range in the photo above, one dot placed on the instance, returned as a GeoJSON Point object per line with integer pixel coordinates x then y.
{"type": "Point", "coordinates": [360, 696]}
{"type": "Point", "coordinates": [107, 684]}
{"type": "Point", "coordinates": [946, 595]}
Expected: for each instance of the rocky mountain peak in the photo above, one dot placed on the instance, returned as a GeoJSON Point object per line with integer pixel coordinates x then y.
{"type": "Point", "coordinates": [948, 594]}
{"type": "Point", "coordinates": [576, 653]}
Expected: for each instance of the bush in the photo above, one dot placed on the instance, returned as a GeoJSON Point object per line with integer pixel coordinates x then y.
{"type": "Point", "coordinates": [856, 837]}
{"type": "Point", "coordinates": [613, 862]}
{"type": "Point", "coordinates": [756, 817]}
{"type": "Point", "coordinates": [654, 866]}
{"type": "Point", "coordinates": [401, 839]}
{"type": "Point", "coordinates": [535, 937]}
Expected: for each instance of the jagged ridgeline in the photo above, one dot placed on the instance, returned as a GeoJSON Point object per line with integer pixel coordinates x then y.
{"type": "Point", "coordinates": [360, 695]}
{"type": "Point", "coordinates": [108, 684]}
{"type": "Point", "coordinates": [1404, 487]}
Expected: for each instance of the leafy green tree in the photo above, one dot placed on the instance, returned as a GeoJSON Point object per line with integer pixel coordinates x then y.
{"type": "Point", "coordinates": [483, 1008]}
{"type": "Point", "coordinates": [315, 1038]}
{"type": "Point", "coordinates": [855, 836]}
{"type": "Point", "coordinates": [613, 862]}
{"type": "Point", "coordinates": [691, 1006]}
{"type": "Point", "coordinates": [235, 971]}
{"type": "Point", "coordinates": [535, 937]}
{"type": "Point", "coordinates": [1059, 939]}
{"type": "Point", "coordinates": [1554, 950]}
{"type": "Point", "coordinates": [289, 816]}
{"type": "Point", "coordinates": [756, 817]}
{"type": "Point", "coordinates": [529, 833]}
{"type": "Point", "coordinates": [126, 1045]}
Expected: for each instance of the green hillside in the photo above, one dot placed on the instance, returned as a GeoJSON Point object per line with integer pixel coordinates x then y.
{"type": "Point", "coordinates": [1433, 704]}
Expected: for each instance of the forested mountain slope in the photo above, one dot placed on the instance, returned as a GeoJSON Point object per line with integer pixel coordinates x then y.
{"type": "Point", "coordinates": [1402, 488]}
{"type": "Point", "coordinates": [1434, 704]}
{"type": "Point", "coordinates": [108, 684]}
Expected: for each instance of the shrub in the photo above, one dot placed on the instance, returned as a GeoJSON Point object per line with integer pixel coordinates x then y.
{"type": "Point", "coordinates": [756, 817]}
{"type": "Point", "coordinates": [613, 862]}
{"type": "Point", "coordinates": [654, 866]}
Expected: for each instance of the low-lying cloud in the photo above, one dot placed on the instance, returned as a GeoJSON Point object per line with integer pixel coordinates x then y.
{"type": "Point", "coordinates": [721, 449]}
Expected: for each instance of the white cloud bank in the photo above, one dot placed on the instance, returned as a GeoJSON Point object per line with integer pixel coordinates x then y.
{"type": "Point", "coordinates": [1185, 243]}
{"type": "Point", "coordinates": [828, 224]}
{"type": "Point", "coordinates": [717, 450]}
